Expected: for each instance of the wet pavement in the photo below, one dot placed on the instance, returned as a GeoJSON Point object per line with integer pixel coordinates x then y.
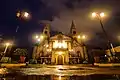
{"type": "Point", "coordinates": [60, 72]}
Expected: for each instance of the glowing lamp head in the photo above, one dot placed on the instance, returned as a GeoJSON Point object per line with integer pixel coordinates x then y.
{"type": "Point", "coordinates": [7, 44]}
{"type": "Point", "coordinates": [102, 14]}
{"type": "Point", "coordinates": [36, 36]}
{"type": "Point", "coordinates": [83, 37]}
{"type": "Point", "coordinates": [94, 14]}
{"type": "Point", "coordinates": [18, 14]}
{"type": "Point", "coordinates": [79, 36]}
{"type": "Point", "coordinates": [26, 14]}
{"type": "Point", "coordinates": [41, 36]}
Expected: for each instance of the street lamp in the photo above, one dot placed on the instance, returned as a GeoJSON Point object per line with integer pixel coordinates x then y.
{"type": "Point", "coordinates": [39, 38]}
{"type": "Point", "coordinates": [23, 14]}
{"type": "Point", "coordinates": [20, 15]}
{"type": "Point", "coordinates": [81, 37]}
{"type": "Point", "coordinates": [99, 16]}
{"type": "Point", "coordinates": [26, 14]}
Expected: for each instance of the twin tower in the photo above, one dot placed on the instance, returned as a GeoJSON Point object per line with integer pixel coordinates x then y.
{"type": "Point", "coordinates": [72, 32]}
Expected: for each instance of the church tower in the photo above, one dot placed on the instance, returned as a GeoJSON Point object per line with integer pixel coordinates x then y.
{"type": "Point", "coordinates": [46, 30]}
{"type": "Point", "coordinates": [73, 29]}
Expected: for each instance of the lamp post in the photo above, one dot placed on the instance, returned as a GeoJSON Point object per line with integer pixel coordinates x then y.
{"type": "Point", "coordinates": [20, 15]}
{"type": "Point", "coordinates": [38, 41]}
{"type": "Point", "coordinates": [39, 38]}
{"type": "Point", "coordinates": [6, 47]}
{"type": "Point", "coordinates": [23, 14]}
{"type": "Point", "coordinates": [99, 16]}
{"type": "Point", "coordinates": [81, 38]}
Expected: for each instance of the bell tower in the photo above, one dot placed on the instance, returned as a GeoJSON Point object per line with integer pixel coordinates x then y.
{"type": "Point", "coordinates": [73, 29]}
{"type": "Point", "coordinates": [46, 30]}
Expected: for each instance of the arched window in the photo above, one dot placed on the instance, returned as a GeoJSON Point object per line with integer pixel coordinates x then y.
{"type": "Point", "coordinates": [46, 32]}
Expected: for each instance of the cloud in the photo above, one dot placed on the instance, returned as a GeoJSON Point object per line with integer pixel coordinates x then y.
{"type": "Point", "coordinates": [68, 10]}
{"type": "Point", "coordinates": [79, 11]}
{"type": "Point", "coordinates": [82, 21]}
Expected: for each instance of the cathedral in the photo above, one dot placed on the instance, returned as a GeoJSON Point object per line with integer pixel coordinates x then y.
{"type": "Point", "coordinates": [61, 48]}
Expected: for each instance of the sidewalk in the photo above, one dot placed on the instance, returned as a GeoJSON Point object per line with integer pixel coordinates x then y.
{"type": "Point", "coordinates": [107, 64]}
{"type": "Point", "coordinates": [7, 65]}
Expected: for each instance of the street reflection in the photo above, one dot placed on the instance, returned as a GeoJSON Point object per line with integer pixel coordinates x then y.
{"type": "Point", "coordinates": [57, 73]}
{"type": "Point", "coordinates": [55, 77]}
{"type": "Point", "coordinates": [60, 77]}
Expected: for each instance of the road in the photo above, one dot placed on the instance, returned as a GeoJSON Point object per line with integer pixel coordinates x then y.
{"type": "Point", "coordinates": [63, 70]}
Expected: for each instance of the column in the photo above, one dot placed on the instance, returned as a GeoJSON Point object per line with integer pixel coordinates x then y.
{"type": "Point", "coordinates": [67, 58]}
{"type": "Point", "coordinates": [53, 58]}
{"type": "Point", "coordinates": [82, 52]}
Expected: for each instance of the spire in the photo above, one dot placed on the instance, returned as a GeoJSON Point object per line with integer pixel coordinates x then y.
{"type": "Point", "coordinates": [73, 25]}
{"type": "Point", "coordinates": [73, 28]}
{"type": "Point", "coordinates": [46, 30]}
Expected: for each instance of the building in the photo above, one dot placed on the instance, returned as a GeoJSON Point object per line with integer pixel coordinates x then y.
{"type": "Point", "coordinates": [115, 53]}
{"type": "Point", "coordinates": [60, 48]}
{"type": "Point", "coordinates": [98, 55]}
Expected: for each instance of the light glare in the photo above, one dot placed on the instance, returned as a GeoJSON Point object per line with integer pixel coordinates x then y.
{"type": "Point", "coordinates": [41, 36]}
{"type": "Point", "coordinates": [94, 14]}
{"type": "Point", "coordinates": [7, 44]}
{"type": "Point", "coordinates": [36, 37]}
{"type": "Point", "coordinates": [83, 37]}
{"type": "Point", "coordinates": [79, 37]}
{"type": "Point", "coordinates": [102, 14]}
{"type": "Point", "coordinates": [18, 14]}
{"type": "Point", "coordinates": [26, 14]}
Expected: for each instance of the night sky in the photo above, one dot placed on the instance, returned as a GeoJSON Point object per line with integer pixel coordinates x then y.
{"type": "Point", "coordinates": [60, 13]}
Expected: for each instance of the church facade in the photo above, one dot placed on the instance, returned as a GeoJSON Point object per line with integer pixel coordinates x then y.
{"type": "Point", "coordinates": [60, 49]}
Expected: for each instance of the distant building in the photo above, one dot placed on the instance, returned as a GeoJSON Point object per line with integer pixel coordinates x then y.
{"type": "Point", "coordinates": [98, 55]}
{"type": "Point", "coordinates": [116, 49]}
{"type": "Point", "coordinates": [115, 53]}
{"type": "Point", "coordinates": [60, 48]}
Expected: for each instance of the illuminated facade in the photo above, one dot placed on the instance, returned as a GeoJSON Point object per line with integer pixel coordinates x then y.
{"type": "Point", "coordinates": [60, 48]}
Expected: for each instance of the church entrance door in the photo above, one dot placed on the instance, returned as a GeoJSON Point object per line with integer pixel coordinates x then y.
{"type": "Point", "coordinates": [60, 60]}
